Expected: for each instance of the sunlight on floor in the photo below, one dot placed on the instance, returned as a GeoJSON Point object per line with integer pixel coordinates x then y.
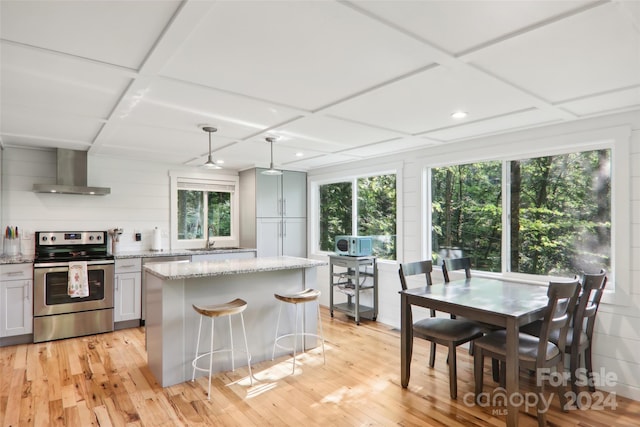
{"type": "Point", "coordinates": [355, 394]}
{"type": "Point", "coordinates": [267, 379]}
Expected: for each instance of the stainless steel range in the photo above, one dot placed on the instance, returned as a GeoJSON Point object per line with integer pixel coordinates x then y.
{"type": "Point", "coordinates": [57, 312]}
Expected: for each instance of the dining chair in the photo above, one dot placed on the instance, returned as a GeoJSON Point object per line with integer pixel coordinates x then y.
{"type": "Point", "coordinates": [464, 263]}
{"type": "Point", "coordinates": [580, 332]}
{"type": "Point", "coordinates": [453, 264]}
{"type": "Point", "coordinates": [438, 330]}
{"type": "Point", "coordinates": [535, 352]}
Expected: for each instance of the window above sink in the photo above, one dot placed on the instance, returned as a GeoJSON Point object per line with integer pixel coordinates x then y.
{"type": "Point", "coordinates": [204, 211]}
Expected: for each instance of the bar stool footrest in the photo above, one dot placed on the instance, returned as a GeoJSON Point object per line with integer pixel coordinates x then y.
{"type": "Point", "coordinates": [194, 363]}
{"type": "Point", "coordinates": [299, 334]}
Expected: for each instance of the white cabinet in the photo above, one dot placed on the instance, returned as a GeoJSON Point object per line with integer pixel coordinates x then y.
{"type": "Point", "coordinates": [127, 290]}
{"type": "Point", "coordinates": [273, 213]}
{"type": "Point", "coordinates": [16, 287]}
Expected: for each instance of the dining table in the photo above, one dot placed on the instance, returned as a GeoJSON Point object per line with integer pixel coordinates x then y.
{"type": "Point", "coordinates": [498, 302]}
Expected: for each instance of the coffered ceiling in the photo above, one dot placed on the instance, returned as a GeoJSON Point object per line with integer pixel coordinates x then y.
{"type": "Point", "coordinates": [336, 81]}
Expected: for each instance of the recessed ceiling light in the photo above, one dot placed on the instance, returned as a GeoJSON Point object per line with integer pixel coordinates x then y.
{"type": "Point", "coordinates": [299, 154]}
{"type": "Point", "coordinates": [459, 115]}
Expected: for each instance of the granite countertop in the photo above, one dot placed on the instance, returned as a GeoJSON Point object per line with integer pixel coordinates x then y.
{"type": "Point", "coordinates": [26, 259]}
{"type": "Point", "coordinates": [175, 252]}
{"type": "Point", "coordinates": [22, 259]}
{"type": "Point", "coordinates": [175, 271]}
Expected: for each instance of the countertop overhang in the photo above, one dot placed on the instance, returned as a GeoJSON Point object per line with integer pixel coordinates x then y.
{"type": "Point", "coordinates": [178, 252]}
{"type": "Point", "coordinates": [177, 271]}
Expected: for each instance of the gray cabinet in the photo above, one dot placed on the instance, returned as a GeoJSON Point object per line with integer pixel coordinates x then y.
{"type": "Point", "coordinates": [281, 195]}
{"type": "Point", "coordinates": [273, 213]}
{"type": "Point", "coordinates": [127, 292]}
{"type": "Point", "coordinates": [281, 236]}
{"type": "Point", "coordinates": [16, 302]}
{"type": "Point", "coordinates": [1, 171]}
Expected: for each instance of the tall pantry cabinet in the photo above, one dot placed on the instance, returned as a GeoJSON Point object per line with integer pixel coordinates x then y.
{"type": "Point", "coordinates": [273, 213]}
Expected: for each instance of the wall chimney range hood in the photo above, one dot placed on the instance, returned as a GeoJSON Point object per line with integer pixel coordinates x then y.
{"type": "Point", "coordinates": [71, 176]}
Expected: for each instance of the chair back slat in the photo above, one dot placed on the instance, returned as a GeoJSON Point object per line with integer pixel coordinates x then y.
{"type": "Point", "coordinates": [592, 289]}
{"type": "Point", "coordinates": [414, 269]}
{"type": "Point", "coordinates": [559, 312]}
{"type": "Point", "coordinates": [453, 264]}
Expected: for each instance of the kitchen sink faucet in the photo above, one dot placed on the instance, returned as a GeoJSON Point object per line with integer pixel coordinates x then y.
{"type": "Point", "coordinates": [209, 244]}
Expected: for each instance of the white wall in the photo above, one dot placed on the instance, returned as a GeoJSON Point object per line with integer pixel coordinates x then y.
{"type": "Point", "coordinates": [139, 199]}
{"type": "Point", "coordinates": [617, 336]}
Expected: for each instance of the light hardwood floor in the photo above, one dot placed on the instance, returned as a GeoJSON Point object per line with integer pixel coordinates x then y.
{"type": "Point", "coordinates": [104, 380]}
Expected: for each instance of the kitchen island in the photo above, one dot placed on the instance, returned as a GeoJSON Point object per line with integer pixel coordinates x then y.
{"type": "Point", "coordinates": [172, 324]}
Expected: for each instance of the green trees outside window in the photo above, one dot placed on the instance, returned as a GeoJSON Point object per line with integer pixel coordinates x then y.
{"type": "Point", "coordinates": [559, 213]}
{"type": "Point", "coordinates": [375, 204]}
{"type": "Point", "coordinates": [466, 203]}
{"type": "Point", "coordinates": [377, 213]}
{"type": "Point", "coordinates": [192, 214]}
{"type": "Point", "coordinates": [335, 213]}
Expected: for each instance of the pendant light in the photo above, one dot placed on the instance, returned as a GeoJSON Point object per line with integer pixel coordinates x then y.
{"type": "Point", "coordinates": [271, 170]}
{"type": "Point", "coordinates": [210, 164]}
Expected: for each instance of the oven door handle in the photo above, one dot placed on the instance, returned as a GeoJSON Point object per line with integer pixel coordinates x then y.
{"type": "Point", "coordinates": [66, 264]}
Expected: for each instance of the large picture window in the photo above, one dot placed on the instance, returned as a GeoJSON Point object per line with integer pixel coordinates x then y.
{"type": "Point", "coordinates": [558, 214]}
{"type": "Point", "coordinates": [466, 205]}
{"type": "Point", "coordinates": [373, 200]}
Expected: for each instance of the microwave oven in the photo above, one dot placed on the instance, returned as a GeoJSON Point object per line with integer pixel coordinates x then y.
{"type": "Point", "coordinates": [353, 245]}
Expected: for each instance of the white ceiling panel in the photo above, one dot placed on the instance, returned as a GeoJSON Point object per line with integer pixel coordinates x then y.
{"type": "Point", "coordinates": [35, 141]}
{"type": "Point", "coordinates": [58, 83]}
{"type": "Point", "coordinates": [395, 146]}
{"type": "Point", "coordinates": [457, 26]}
{"type": "Point", "coordinates": [301, 53]}
{"type": "Point", "coordinates": [184, 106]}
{"type": "Point", "coordinates": [590, 53]}
{"type": "Point", "coordinates": [323, 130]}
{"type": "Point", "coordinates": [328, 159]}
{"type": "Point", "coordinates": [174, 143]}
{"type": "Point", "coordinates": [497, 124]}
{"type": "Point", "coordinates": [20, 124]}
{"type": "Point", "coordinates": [426, 100]}
{"type": "Point", "coordinates": [623, 99]}
{"type": "Point", "coordinates": [115, 32]}
{"type": "Point", "coordinates": [133, 152]}
{"type": "Point", "coordinates": [245, 154]}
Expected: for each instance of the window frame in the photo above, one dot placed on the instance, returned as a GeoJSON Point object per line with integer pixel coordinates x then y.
{"type": "Point", "coordinates": [204, 179]}
{"type": "Point", "coordinates": [616, 139]}
{"type": "Point", "coordinates": [316, 181]}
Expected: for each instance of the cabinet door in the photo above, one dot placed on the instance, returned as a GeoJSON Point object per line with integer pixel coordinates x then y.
{"type": "Point", "coordinates": [268, 195]}
{"type": "Point", "coordinates": [269, 237]}
{"type": "Point", "coordinates": [127, 297]}
{"type": "Point", "coordinates": [294, 194]}
{"type": "Point", "coordinates": [17, 307]}
{"type": "Point", "coordinates": [294, 237]}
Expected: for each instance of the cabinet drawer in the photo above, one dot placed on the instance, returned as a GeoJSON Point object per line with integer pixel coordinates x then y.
{"type": "Point", "coordinates": [128, 265]}
{"type": "Point", "coordinates": [16, 271]}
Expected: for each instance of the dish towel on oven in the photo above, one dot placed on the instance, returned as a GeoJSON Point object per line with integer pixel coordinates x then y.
{"type": "Point", "coordinates": [78, 281]}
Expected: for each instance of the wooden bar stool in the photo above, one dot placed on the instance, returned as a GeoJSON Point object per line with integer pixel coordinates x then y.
{"type": "Point", "coordinates": [308, 295]}
{"type": "Point", "coordinates": [237, 306]}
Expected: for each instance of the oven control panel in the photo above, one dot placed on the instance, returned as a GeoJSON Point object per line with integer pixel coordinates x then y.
{"type": "Point", "coordinates": [49, 238]}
